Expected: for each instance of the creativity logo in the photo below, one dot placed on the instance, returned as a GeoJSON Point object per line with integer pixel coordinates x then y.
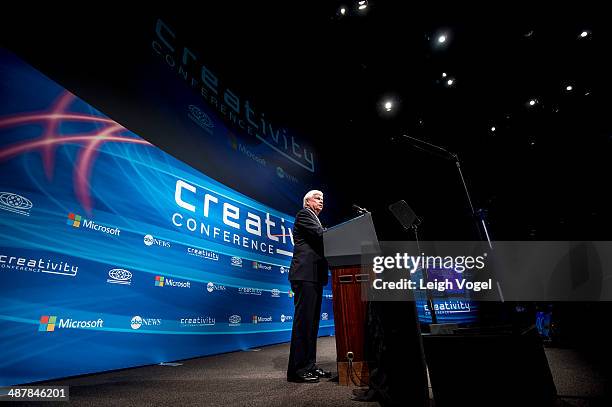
{"type": "Point", "coordinates": [47, 323]}
{"type": "Point", "coordinates": [324, 316]}
{"type": "Point", "coordinates": [236, 261]}
{"type": "Point", "coordinates": [159, 281]}
{"type": "Point", "coordinates": [15, 203]}
{"type": "Point", "coordinates": [248, 290]}
{"type": "Point", "coordinates": [275, 293]}
{"type": "Point", "coordinates": [8, 262]}
{"type": "Point", "coordinates": [119, 276]}
{"type": "Point", "coordinates": [74, 220]}
{"type": "Point", "coordinates": [198, 321]}
{"type": "Point", "coordinates": [200, 118]}
{"type": "Point", "coordinates": [202, 253]}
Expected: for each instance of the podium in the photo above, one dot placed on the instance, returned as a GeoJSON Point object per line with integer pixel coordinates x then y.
{"type": "Point", "coordinates": [343, 245]}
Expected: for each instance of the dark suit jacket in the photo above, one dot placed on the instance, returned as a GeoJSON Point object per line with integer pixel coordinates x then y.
{"type": "Point", "coordinates": [308, 263]}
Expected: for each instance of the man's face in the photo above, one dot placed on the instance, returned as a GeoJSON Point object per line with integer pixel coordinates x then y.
{"type": "Point", "coordinates": [315, 203]}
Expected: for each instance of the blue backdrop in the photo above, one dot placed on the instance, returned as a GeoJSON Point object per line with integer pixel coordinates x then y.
{"type": "Point", "coordinates": [114, 254]}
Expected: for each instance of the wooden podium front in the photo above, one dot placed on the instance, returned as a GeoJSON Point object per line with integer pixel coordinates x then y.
{"type": "Point", "coordinates": [350, 318]}
{"type": "Point", "coordinates": [345, 245]}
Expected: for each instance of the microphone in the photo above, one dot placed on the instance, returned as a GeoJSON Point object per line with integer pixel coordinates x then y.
{"type": "Point", "coordinates": [359, 209]}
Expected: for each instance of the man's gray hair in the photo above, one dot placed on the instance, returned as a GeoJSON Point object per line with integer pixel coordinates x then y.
{"type": "Point", "coordinates": [310, 194]}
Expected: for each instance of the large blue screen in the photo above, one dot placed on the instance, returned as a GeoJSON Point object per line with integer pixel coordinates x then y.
{"type": "Point", "coordinates": [115, 254]}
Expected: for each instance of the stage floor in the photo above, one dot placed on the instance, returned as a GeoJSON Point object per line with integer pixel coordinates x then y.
{"type": "Point", "coordinates": [257, 378]}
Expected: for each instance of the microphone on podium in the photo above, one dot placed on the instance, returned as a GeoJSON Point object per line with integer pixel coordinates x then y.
{"type": "Point", "coordinates": [359, 209]}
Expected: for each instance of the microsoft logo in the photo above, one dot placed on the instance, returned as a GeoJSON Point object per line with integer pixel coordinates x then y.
{"type": "Point", "coordinates": [159, 281]}
{"type": "Point", "coordinates": [47, 323]}
{"type": "Point", "coordinates": [254, 319]}
{"type": "Point", "coordinates": [74, 220]}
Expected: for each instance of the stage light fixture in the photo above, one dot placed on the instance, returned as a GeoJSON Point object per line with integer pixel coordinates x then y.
{"type": "Point", "coordinates": [388, 106]}
{"type": "Point", "coordinates": [363, 4]}
{"type": "Point", "coordinates": [569, 88]}
{"type": "Point", "coordinates": [343, 11]}
{"type": "Point", "coordinates": [532, 102]}
{"type": "Point", "coordinates": [493, 128]}
{"type": "Point", "coordinates": [584, 34]}
{"type": "Point", "coordinates": [450, 82]}
{"type": "Point", "coordinates": [444, 74]}
{"type": "Point", "coordinates": [442, 39]}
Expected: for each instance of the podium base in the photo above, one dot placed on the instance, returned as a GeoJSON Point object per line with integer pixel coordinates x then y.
{"type": "Point", "coordinates": [357, 375]}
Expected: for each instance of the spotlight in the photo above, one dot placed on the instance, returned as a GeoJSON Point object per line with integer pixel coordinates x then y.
{"type": "Point", "coordinates": [569, 88]}
{"type": "Point", "coordinates": [532, 102]}
{"type": "Point", "coordinates": [444, 74]}
{"type": "Point", "coordinates": [363, 4]}
{"type": "Point", "coordinates": [584, 34]}
{"type": "Point", "coordinates": [442, 39]}
{"type": "Point", "coordinates": [388, 106]}
{"type": "Point", "coordinates": [343, 11]}
{"type": "Point", "coordinates": [450, 82]}
{"type": "Point", "coordinates": [493, 128]}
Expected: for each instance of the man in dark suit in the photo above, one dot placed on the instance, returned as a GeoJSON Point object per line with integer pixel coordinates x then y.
{"type": "Point", "coordinates": [308, 276]}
